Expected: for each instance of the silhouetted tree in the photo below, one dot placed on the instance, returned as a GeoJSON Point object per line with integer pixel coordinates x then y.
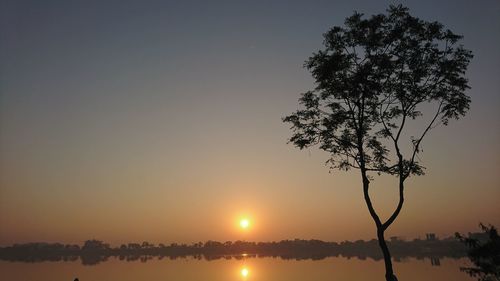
{"type": "Point", "coordinates": [95, 245]}
{"type": "Point", "coordinates": [147, 245]}
{"type": "Point", "coordinates": [374, 76]}
{"type": "Point", "coordinates": [98, 251]}
{"type": "Point", "coordinates": [134, 246]}
{"type": "Point", "coordinates": [484, 252]}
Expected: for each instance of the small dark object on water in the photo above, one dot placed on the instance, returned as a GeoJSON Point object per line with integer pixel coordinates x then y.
{"type": "Point", "coordinates": [76, 279]}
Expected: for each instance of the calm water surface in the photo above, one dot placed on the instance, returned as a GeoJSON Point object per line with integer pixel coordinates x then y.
{"type": "Point", "coordinates": [251, 269]}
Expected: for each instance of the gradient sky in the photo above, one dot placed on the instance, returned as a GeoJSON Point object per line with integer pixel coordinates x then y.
{"type": "Point", "coordinates": [161, 121]}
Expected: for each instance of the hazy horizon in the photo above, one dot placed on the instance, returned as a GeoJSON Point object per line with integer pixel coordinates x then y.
{"type": "Point", "coordinates": [191, 243]}
{"type": "Point", "coordinates": [155, 121]}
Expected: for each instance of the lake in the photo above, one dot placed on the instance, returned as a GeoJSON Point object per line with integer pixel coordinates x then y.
{"type": "Point", "coordinates": [225, 269]}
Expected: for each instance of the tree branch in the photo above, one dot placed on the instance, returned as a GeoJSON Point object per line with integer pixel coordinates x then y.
{"type": "Point", "coordinates": [416, 147]}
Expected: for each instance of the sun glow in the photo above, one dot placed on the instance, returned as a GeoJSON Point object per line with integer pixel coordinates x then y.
{"type": "Point", "coordinates": [244, 272]}
{"type": "Point", "coordinates": [244, 223]}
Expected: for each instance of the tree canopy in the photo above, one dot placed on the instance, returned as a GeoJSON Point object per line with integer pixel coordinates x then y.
{"type": "Point", "coordinates": [371, 78]}
{"type": "Point", "coordinates": [484, 254]}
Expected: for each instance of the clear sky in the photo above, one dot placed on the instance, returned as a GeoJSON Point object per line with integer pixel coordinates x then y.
{"type": "Point", "coordinates": [161, 121]}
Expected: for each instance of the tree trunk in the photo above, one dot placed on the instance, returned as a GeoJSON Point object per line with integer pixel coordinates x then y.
{"type": "Point", "coordinates": [389, 273]}
{"type": "Point", "coordinates": [381, 227]}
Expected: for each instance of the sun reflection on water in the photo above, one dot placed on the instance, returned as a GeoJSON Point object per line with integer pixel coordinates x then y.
{"type": "Point", "coordinates": [244, 272]}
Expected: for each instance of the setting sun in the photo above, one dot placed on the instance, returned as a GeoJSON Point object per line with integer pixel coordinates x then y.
{"type": "Point", "coordinates": [244, 223]}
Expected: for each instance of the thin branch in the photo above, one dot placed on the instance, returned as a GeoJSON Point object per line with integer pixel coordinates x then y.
{"type": "Point", "coordinates": [416, 148]}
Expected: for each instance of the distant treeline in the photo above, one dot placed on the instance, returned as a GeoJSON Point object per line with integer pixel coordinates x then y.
{"type": "Point", "coordinates": [95, 251]}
